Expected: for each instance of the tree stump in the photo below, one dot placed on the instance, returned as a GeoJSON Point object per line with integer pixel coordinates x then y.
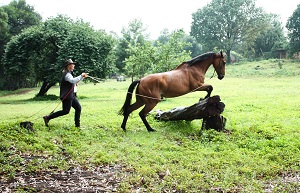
{"type": "Point", "coordinates": [208, 109]}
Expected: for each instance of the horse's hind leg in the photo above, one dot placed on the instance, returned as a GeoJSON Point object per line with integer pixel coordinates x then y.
{"type": "Point", "coordinates": [123, 126]}
{"type": "Point", "coordinates": [130, 109]}
{"type": "Point", "coordinates": [143, 114]}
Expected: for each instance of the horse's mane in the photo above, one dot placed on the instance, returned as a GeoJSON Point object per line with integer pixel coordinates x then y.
{"type": "Point", "coordinates": [200, 58]}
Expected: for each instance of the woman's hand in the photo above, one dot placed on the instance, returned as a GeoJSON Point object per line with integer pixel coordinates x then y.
{"type": "Point", "coordinates": [84, 75]}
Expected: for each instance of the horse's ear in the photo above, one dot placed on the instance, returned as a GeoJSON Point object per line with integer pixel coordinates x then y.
{"type": "Point", "coordinates": [221, 54]}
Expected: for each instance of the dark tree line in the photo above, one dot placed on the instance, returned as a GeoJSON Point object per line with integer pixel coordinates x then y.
{"type": "Point", "coordinates": [37, 54]}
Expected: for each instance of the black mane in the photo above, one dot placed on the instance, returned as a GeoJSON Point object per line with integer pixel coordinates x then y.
{"type": "Point", "coordinates": [200, 58]}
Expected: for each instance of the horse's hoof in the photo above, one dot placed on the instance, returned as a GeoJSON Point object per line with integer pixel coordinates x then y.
{"type": "Point", "coordinates": [124, 129]}
{"type": "Point", "coordinates": [151, 130]}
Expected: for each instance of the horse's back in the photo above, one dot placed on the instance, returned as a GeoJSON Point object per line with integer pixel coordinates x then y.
{"type": "Point", "coordinates": [168, 84]}
{"type": "Point", "coordinates": [163, 79]}
{"type": "Point", "coordinates": [153, 82]}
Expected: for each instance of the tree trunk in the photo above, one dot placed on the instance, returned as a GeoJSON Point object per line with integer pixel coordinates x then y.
{"type": "Point", "coordinates": [208, 109]}
{"type": "Point", "coordinates": [228, 60]}
{"type": "Point", "coordinates": [44, 89]}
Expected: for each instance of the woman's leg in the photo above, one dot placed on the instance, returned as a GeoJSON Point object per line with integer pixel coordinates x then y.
{"type": "Point", "coordinates": [66, 105]}
{"type": "Point", "coordinates": [76, 105]}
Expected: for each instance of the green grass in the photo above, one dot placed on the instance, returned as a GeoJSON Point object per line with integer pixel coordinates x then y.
{"type": "Point", "coordinates": [263, 117]}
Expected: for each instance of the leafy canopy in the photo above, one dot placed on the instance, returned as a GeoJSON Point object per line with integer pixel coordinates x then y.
{"type": "Point", "coordinates": [293, 26]}
{"type": "Point", "coordinates": [223, 24]}
{"type": "Point", "coordinates": [41, 51]}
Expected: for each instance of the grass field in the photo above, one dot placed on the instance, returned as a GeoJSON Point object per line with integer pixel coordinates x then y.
{"type": "Point", "coordinates": [260, 153]}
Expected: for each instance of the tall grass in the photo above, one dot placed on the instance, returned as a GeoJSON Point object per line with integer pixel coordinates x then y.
{"type": "Point", "coordinates": [261, 147]}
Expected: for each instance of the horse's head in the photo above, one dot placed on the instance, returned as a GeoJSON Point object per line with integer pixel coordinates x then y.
{"type": "Point", "coordinates": [219, 65]}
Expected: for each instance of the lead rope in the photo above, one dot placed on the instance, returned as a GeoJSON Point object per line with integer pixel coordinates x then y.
{"type": "Point", "coordinates": [38, 112]}
{"type": "Point", "coordinates": [94, 78]}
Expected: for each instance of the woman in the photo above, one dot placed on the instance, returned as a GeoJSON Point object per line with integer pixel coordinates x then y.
{"type": "Point", "coordinates": [67, 95]}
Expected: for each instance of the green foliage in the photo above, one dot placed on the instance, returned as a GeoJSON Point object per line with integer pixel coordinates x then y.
{"type": "Point", "coordinates": [50, 37]}
{"type": "Point", "coordinates": [4, 28]}
{"type": "Point", "coordinates": [21, 16]}
{"type": "Point", "coordinates": [90, 48]}
{"type": "Point", "coordinates": [141, 59]}
{"type": "Point", "coordinates": [257, 154]}
{"type": "Point", "coordinates": [161, 57]}
{"type": "Point", "coordinates": [227, 23]}
{"type": "Point", "coordinates": [191, 46]}
{"type": "Point", "coordinates": [139, 56]}
{"type": "Point", "coordinates": [41, 51]}
{"type": "Point", "coordinates": [133, 35]}
{"type": "Point", "coordinates": [171, 52]}
{"type": "Point", "coordinates": [14, 17]}
{"type": "Point", "coordinates": [16, 65]}
{"type": "Point", "coordinates": [268, 41]}
{"type": "Point", "coordinates": [293, 26]}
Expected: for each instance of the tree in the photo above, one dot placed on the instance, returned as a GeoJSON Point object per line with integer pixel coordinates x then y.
{"type": "Point", "coordinates": [171, 52]}
{"type": "Point", "coordinates": [15, 17]}
{"type": "Point", "coordinates": [3, 40]}
{"type": "Point", "coordinates": [41, 51]}
{"type": "Point", "coordinates": [271, 40]}
{"type": "Point", "coordinates": [223, 24]}
{"type": "Point", "coordinates": [293, 26]}
{"type": "Point", "coordinates": [19, 71]}
{"type": "Point", "coordinates": [134, 34]}
{"type": "Point", "coordinates": [91, 49]}
{"type": "Point", "coordinates": [4, 29]}
{"type": "Point", "coordinates": [192, 45]}
{"type": "Point", "coordinates": [164, 55]}
{"type": "Point", "coordinates": [21, 16]}
{"type": "Point", "coordinates": [37, 49]}
{"type": "Point", "coordinates": [141, 59]}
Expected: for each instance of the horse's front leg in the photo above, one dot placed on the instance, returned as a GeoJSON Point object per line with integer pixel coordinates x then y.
{"type": "Point", "coordinates": [206, 87]}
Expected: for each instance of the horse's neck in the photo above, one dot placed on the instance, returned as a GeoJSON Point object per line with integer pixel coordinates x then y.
{"type": "Point", "coordinates": [203, 66]}
{"type": "Point", "coordinates": [181, 65]}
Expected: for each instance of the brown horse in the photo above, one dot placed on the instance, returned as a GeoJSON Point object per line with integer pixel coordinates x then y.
{"type": "Point", "coordinates": [187, 77]}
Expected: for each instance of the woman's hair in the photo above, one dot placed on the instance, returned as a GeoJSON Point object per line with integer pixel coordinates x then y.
{"type": "Point", "coordinates": [65, 70]}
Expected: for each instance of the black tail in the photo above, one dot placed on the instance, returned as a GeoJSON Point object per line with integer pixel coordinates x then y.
{"type": "Point", "coordinates": [123, 110]}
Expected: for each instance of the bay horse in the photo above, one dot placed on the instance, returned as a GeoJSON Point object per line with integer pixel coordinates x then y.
{"type": "Point", "coordinates": [187, 77]}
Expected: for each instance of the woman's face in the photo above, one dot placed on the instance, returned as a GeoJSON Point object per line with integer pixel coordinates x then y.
{"type": "Point", "coordinates": [71, 67]}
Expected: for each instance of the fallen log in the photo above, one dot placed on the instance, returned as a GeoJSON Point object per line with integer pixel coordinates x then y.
{"type": "Point", "coordinates": [208, 109]}
{"type": "Point", "coordinates": [216, 122]}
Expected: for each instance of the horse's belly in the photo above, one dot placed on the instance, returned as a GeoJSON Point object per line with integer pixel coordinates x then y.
{"type": "Point", "coordinates": [174, 92]}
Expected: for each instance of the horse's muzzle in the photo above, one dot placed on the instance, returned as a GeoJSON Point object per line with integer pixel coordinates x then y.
{"type": "Point", "coordinates": [220, 76]}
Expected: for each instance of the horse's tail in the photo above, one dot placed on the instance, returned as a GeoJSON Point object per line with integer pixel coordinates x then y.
{"type": "Point", "coordinates": [123, 110]}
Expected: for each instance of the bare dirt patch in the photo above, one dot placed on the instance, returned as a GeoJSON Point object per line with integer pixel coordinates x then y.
{"type": "Point", "coordinates": [103, 178]}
